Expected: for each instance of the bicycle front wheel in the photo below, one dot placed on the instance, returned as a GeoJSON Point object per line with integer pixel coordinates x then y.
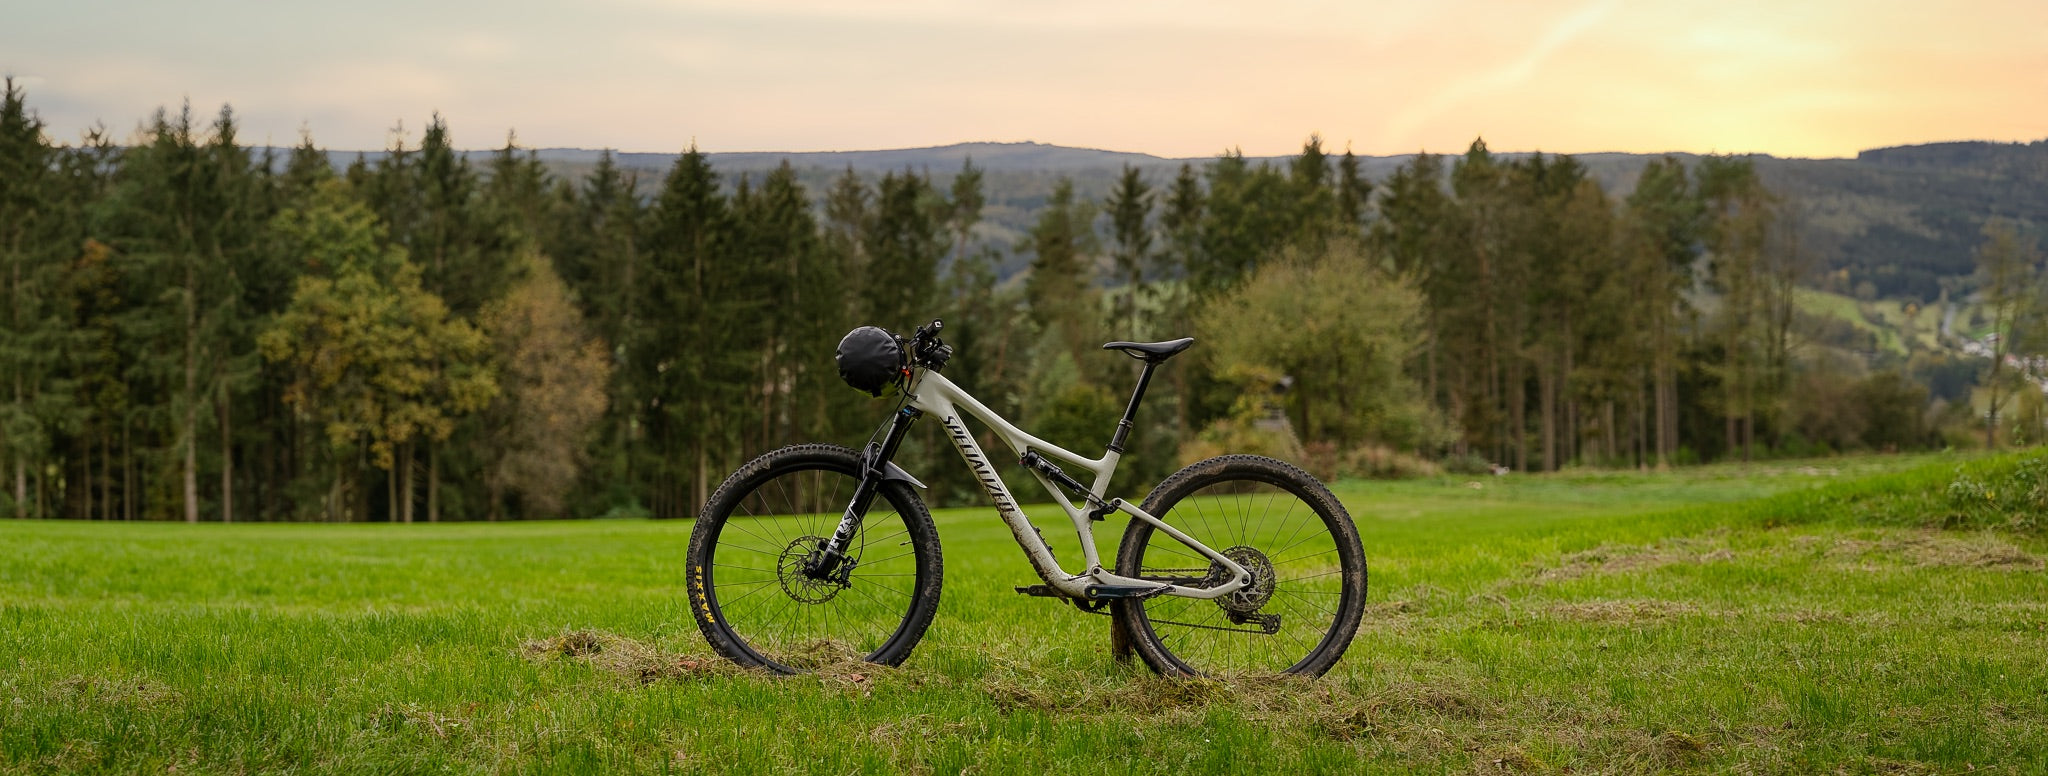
{"type": "Point", "coordinates": [746, 567]}
{"type": "Point", "coordinates": [1307, 594]}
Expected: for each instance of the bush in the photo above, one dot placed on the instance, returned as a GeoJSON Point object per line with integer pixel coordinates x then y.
{"type": "Point", "coordinates": [1238, 435]}
{"type": "Point", "coordinates": [1468, 464]}
{"type": "Point", "coordinates": [1385, 463]}
{"type": "Point", "coordinates": [1320, 459]}
{"type": "Point", "coordinates": [1328, 462]}
{"type": "Point", "coordinates": [2012, 492]}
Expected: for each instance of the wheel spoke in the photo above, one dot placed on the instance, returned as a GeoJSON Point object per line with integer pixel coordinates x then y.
{"type": "Point", "coordinates": [1286, 618]}
{"type": "Point", "coordinates": [766, 601]}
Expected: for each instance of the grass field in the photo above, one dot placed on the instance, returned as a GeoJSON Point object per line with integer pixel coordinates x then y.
{"type": "Point", "coordinates": [1720, 619]}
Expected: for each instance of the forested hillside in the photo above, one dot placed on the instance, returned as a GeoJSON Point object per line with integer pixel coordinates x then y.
{"type": "Point", "coordinates": [197, 329]}
{"type": "Point", "coordinates": [1905, 220]}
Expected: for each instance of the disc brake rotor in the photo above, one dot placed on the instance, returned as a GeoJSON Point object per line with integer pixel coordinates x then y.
{"type": "Point", "coordinates": [789, 570]}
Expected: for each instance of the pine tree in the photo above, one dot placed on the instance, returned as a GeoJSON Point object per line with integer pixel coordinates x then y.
{"type": "Point", "coordinates": [1353, 194]}
{"type": "Point", "coordinates": [679, 366]}
{"type": "Point", "coordinates": [599, 258]}
{"type": "Point", "coordinates": [1235, 227]}
{"type": "Point", "coordinates": [1313, 214]}
{"type": "Point", "coordinates": [964, 206]}
{"type": "Point", "coordinates": [796, 310]}
{"type": "Point", "coordinates": [1130, 209]}
{"type": "Point", "coordinates": [188, 213]}
{"type": "Point", "coordinates": [32, 327]}
{"type": "Point", "coordinates": [903, 241]}
{"type": "Point", "coordinates": [1416, 232]}
{"type": "Point", "coordinates": [1180, 221]}
{"type": "Point", "coordinates": [1663, 227]}
{"type": "Point", "coordinates": [520, 192]}
{"type": "Point", "coordinates": [1738, 214]}
{"type": "Point", "coordinates": [1061, 287]}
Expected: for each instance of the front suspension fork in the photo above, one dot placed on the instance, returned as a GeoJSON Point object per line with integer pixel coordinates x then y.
{"type": "Point", "coordinates": [872, 461]}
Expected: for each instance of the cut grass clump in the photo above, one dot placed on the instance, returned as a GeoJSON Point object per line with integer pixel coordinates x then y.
{"type": "Point", "coordinates": [631, 659]}
{"type": "Point", "coordinates": [1932, 550]}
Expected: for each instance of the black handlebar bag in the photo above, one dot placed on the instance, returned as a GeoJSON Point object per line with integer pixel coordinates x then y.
{"type": "Point", "coordinates": [870, 359]}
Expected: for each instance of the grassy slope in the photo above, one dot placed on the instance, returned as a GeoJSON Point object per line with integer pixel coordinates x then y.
{"type": "Point", "coordinates": [1583, 622]}
{"type": "Point", "coordinates": [1891, 330]}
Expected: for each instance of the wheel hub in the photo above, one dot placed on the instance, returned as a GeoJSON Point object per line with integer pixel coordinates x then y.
{"type": "Point", "coordinates": [1256, 592]}
{"type": "Point", "coordinates": [801, 587]}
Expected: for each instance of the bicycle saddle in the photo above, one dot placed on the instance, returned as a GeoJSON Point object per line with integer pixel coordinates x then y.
{"type": "Point", "coordinates": [1151, 352]}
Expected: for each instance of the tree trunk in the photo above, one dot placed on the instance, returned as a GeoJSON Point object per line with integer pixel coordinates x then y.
{"type": "Point", "coordinates": [188, 434]}
{"type": "Point", "coordinates": [1991, 418]}
{"type": "Point", "coordinates": [78, 492]}
{"type": "Point", "coordinates": [1643, 434]}
{"type": "Point", "coordinates": [106, 476]}
{"type": "Point", "coordinates": [337, 489]}
{"type": "Point", "coordinates": [1571, 396]}
{"type": "Point", "coordinates": [1748, 435]}
{"type": "Point", "coordinates": [1666, 414]}
{"type": "Point", "coordinates": [433, 485]}
{"type": "Point", "coordinates": [20, 465]}
{"type": "Point", "coordinates": [1517, 396]}
{"type": "Point", "coordinates": [1613, 450]}
{"type": "Point", "coordinates": [1547, 387]}
{"type": "Point", "coordinates": [703, 475]}
{"type": "Point", "coordinates": [404, 472]}
{"type": "Point", "coordinates": [190, 446]}
{"type": "Point", "coordinates": [361, 490]}
{"type": "Point", "coordinates": [127, 469]}
{"type": "Point", "coordinates": [227, 459]}
{"type": "Point", "coordinates": [391, 513]}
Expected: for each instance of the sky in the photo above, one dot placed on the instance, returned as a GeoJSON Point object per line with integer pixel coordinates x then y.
{"type": "Point", "coordinates": [1174, 78]}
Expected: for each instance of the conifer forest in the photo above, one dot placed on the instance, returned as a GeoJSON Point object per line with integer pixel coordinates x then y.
{"type": "Point", "coordinates": [195, 328]}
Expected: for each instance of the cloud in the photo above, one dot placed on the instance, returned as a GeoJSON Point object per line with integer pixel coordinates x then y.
{"type": "Point", "coordinates": [478, 46]}
{"type": "Point", "coordinates": [1401, 129]}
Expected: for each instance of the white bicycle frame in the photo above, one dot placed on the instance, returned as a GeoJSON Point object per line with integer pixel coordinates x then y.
{"type": "Point", "coordinates": [931, 393]}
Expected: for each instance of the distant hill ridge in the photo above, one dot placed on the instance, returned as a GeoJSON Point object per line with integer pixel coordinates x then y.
{"type": "Point", "coordinates": [1905, 220]}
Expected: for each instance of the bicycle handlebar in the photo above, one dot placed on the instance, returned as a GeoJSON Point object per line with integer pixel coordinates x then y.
{"type": "Point", "coordinates": [926, 349]}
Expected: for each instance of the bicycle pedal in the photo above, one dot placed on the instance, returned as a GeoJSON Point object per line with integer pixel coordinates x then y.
{"type": "Point", "coordinates": [1040, 591]}
{"type": "Point", "coordinates": [1135, 592]}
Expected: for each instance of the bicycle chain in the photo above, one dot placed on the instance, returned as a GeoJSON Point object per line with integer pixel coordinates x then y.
{"type": "Point", "coordinates": [1104, 611]}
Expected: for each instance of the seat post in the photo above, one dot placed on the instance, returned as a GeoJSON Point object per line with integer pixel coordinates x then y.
{"type": "Point", "coordinates": [1123, 427]}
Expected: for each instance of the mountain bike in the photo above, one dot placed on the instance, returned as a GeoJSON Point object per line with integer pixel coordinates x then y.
{"type": "Point", "coordinates": [815, 554]}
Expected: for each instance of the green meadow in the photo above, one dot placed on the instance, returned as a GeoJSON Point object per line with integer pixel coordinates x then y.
{"type": "Point", "coordinates": [1859, 615]}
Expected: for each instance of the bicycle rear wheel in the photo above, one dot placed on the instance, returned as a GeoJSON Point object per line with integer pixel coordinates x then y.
{"type": "Point", "coordinates": [1307, 593]}
{"type": "Point", "coordinates": [747, 552]}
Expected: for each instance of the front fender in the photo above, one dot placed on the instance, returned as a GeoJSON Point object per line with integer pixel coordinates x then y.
{"type": "Point", "coordinates": [890, 471]}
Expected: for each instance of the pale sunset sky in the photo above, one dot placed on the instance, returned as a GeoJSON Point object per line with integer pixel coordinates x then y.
{"type": "Point", "coordinates": [1169, 77]}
